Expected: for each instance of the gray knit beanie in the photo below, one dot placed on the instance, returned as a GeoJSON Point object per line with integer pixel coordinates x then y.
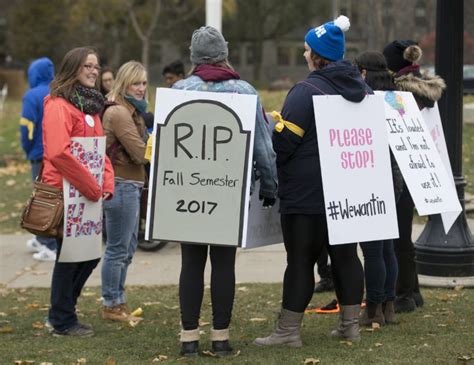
{"type": "Point", "coordinates": [208, 46]}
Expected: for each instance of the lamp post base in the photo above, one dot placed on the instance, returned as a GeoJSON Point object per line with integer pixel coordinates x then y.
{"type": "Point", "coordinates": [446, 282]}
{"type": "Point", "coordinates": [441, 255]}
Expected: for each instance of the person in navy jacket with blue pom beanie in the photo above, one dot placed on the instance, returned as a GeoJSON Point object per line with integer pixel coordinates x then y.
{"type": "Point", "coordinates": [300, 190]}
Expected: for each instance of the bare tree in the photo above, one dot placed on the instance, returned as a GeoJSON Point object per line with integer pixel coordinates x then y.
{"type": "Point", "coordinates": [145, 35]}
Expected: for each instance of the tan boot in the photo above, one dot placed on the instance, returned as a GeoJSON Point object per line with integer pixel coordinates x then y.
{"type": "Point", "coordinates": [372, 313]}
{"type": "Point", "coordinates": [118, 313]}
{"type": "Point", "coordinates": [348, 327]}
{"type": "Point", "coordinates": [286, 332]}
{"type": "Point", "coordinates": [389, 312]}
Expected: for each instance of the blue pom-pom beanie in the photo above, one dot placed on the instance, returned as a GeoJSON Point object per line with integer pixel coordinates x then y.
{"type": "Point", "coordinates": [328, 39]}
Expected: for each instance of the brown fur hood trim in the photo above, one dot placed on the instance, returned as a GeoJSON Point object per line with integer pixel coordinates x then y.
{"type": "Point", "coordinates": [430, 87]}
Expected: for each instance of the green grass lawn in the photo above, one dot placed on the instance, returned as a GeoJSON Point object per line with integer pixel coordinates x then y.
{"type": "Point", "coordinates": [438, 333]}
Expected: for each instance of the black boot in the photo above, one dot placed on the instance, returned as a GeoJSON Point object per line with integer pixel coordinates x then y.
{"type": "Point", "coordinates": [404, 304]}
{"type": "Point", "coordinates": [325, 284]}
{"type": "Point", "coordinates": [189, 343]}
{"type": "Point", "coordinates": [417, 294]}
{"type": "Point", "coordinates": [189, 349]}
{"type": "Point", "coordinates": [220, 342]}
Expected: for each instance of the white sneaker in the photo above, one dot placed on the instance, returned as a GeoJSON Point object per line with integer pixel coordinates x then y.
{"type": "Point", "coordinates": [34, 245]}
{"type": "Point", "coordinates": [45, 255]}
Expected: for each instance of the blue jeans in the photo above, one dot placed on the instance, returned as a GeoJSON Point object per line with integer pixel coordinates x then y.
{"type": "Point", "coordinates": [45, 241]}
{"type": "Point", "coordinates": [121, 221]}
{"type": "Point", "coordinates": [381, 270]}
{"type": "Point", "coordinates": [66, 285]}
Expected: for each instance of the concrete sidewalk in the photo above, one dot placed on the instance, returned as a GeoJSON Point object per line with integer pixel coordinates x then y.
{"type": "Point", "coordinates": [263, 265]}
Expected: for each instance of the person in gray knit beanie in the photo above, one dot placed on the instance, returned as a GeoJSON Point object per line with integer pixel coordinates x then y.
{"type": "Point", "coordinates": [208, 46]}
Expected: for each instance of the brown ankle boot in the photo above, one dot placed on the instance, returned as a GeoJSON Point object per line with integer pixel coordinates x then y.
{"type": "Point", "coordinates": [372, 313]}
{"type": "Point", "coordinates": [118, 313]}
{"type": "Point", "coordinates": [348, 327]}
{"type": "Point", "coordinates": [389, 312]}
{"type": "Point", "coordinates": [286, 332]}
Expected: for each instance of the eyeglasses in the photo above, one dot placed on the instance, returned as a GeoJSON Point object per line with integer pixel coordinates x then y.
{"type": "Point", "coordinates": [90, 67]}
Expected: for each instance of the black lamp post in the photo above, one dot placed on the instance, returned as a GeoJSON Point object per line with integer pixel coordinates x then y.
{"type": "Point", "coordinates": [438, 254]}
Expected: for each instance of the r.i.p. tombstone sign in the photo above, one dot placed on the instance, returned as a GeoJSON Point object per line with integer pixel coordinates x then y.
{"type": "Point", "coordinates": [201, 166]}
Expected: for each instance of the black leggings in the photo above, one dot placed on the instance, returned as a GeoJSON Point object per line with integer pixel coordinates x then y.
{"type": "Point", "coordinates": [407, 282]}
{"type": "Point", "coordinates": [191, 284]}
{"type": "Point", "coordinates": [304, 237]}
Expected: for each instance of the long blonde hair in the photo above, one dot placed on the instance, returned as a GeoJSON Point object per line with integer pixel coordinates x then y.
{"type": "Point", "coordinates": [128, 74]}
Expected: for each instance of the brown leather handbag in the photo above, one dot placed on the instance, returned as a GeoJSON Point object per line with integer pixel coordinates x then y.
{"type": "Point", "coordinates": [43, 214]}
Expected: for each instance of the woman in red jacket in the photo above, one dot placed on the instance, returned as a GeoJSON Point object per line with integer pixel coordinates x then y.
{"type": "Point", "coordinates": [72, 110]}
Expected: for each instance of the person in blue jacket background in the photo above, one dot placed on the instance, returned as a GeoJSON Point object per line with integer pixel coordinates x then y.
{"type": "Point", "coordinates": [40, 75]}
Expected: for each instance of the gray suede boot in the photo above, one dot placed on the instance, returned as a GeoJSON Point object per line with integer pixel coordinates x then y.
{"type": "Point", "coordinates": [389, 312]}
{"type": "Point", "coordinates": [348, 327]}
{"type": "Point", "coordinates": [372, 313]}
{"type": "Point", "coordinates": [286, 332]}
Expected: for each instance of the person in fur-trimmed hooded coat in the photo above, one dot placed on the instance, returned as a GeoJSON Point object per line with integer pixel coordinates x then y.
{"type": "Point", "coordinates": [402, 57]}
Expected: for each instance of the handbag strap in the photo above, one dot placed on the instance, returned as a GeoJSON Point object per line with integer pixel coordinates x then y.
{"type": "Point", "coordinates": [39, 178]}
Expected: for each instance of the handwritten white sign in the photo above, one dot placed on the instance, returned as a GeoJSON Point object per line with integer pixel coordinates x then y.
{"type": "Point", "coordinates": [201, 167]}
{"type": "Point", "coordinates": [417, 155]}
{"type": "Point", "coordinates": [82, 236]}
{"type": "Point", "coordinates": [435, 127]}
{"type": "Point", "coordinates": [356, 171]}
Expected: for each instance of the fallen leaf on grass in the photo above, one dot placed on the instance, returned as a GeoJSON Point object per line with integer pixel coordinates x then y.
{"type": "Point", "coordinates": [137, 312]}
{"type": "Point", "coordinates": [21, 299]}
{"type": "Point", "coordinates": [459, 287]}
{"type": "Point", "coordinates": [10, 182]}
{"type": "Point", "coordinates": [237, 353]}
{"type": "Point", "coordinates": [6, 329]}
{"type": "Point", "coordinates": [173, 307]}
{"type": "Point", "coordinates": [258, 319]}
{"type": "Point", "coordinates": [133, 323]}
{"type": "Point", "coordinates": [427, 316]}
{"type": "Point", "coordinates": [202, 332]}
{"type": "Point", "coordinates": [3, 314]}
{"type": "Point", "coordinates": [88, 294]}
{"type": "Point", "coordinates": [465, 357]}
{"type": "Point", "coordinates": [375, 326]}
{"type": "Point", "coordinates": [204, 323]}
{"type": "Point", "coordinates": [348, 343]}
{"type": "Point", "coordinates": [110, 361]}
{"type": "Point", "coordinates": [38, 325]}
{"type": "Point", "coordinates": [442, 325]}
{"type": "Point", "coordinates": [24, 362]}
{"type": "Point", "coordinates": [49, 363]}
{"type": "Point", "coordinates": [32, 306]}
{"type": "Point", "coordinates": [160, 358]}
{"type": "Point", "coordinates": [151, 303]}
{"type": "Point", "coordinates": [311, 361]}
{"type": "Point", "coordinates": [243, 288]}
{"type": "Point", "coordinates": [378, 344]}
{"type": "Point", "coordinates": [208, 353]}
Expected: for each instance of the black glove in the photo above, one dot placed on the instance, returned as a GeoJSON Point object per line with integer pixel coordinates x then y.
{"type": "Point", "coordinates": [267, 202]}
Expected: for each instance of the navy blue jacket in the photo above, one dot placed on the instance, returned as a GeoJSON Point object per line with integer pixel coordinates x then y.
{"type": "Point", "coordinates": [299, 170]}
{"type": "Point", "coordinates": [40, 75]}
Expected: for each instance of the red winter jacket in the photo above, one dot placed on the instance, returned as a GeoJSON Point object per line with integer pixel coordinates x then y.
{"type": "Point", "coordinates": [61, 122]}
